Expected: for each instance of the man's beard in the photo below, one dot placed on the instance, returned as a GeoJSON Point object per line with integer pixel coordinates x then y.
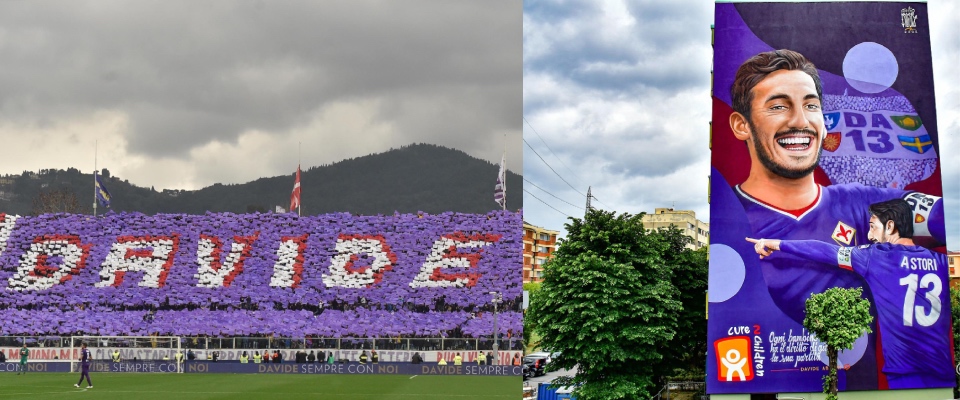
{"type": "Point", "coordinates": [778, 169]}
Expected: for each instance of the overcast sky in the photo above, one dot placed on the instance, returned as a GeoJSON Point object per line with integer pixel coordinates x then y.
{"type": "Point", "coordinates": [620, 92]}
{"type": "Point", "coordinates": [182, 94]}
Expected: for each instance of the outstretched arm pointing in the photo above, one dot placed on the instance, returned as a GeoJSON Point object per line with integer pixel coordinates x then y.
{"type": "Point", "coordinates": [765, 247]}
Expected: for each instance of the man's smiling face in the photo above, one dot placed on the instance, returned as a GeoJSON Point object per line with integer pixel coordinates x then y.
{"type": "Point", "coordinates": [786, 123]}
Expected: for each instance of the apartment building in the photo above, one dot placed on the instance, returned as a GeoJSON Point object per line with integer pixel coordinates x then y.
{"type": "Point", "coordinates": [539, 244]}
{"type": "Point", "coordinates": [685, 220]}
{"type": "Point", "coordinates": [953, 261]}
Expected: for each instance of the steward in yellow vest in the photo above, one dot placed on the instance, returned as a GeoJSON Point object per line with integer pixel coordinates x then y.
{"type": "Point", "coordinates": [257, 358]}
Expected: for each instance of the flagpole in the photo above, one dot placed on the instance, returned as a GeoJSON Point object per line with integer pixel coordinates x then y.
{"type": "Point", "coordinates": [95, 145]}
{"type": "Point", "coordinates": [300, 205]}
{"type": "Point", "coordinates": [504, 158]}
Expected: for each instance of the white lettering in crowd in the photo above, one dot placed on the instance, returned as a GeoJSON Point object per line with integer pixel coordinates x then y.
{"type": "Point", "coordinates": [151, 255]}
{"type": "Point", "coordinates": [452, 261]}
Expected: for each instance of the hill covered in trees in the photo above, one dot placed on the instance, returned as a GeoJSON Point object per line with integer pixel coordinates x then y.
{"type": "Point", "coordinates": [419, 177]}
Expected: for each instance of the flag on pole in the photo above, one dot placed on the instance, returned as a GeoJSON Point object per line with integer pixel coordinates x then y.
{"type": "Point", "coordinates": [295, 195]}
{"type": "Point", "coordinates": [500, 191]}
{"type": "Point", "coordinates": [103, 196]}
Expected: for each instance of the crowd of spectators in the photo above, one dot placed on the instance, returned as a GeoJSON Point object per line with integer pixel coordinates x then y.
{"type": "Point", "coordinates": [260, 277]}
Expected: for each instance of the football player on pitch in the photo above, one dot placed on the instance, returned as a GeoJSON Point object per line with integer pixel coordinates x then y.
{"type": "Point", "coordinates": [24, 353]}
{"type": "Point", "coordinates": [84, 366]}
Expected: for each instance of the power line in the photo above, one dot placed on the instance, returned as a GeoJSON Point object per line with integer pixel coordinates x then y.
{"type": "Point", "coordinates": [554, 196]}
{"type": "Point", "coordinates": [551, 168]}
{"type": "Point", "coordinates": [551, 150]}
{"type": "Point", "coordinates": [598, 201]}
{"type": "Point", "coordinates": [548, 205]}
{"type": "Point", "coordinates": [558, 159]}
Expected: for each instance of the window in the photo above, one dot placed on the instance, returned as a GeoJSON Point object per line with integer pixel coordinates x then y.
{"type": "Point", "coordinates": [541, 249]}
{"type": "Point", "coordinates": [545, 237]}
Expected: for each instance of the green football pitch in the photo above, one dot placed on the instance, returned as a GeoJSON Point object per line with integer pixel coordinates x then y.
{"type": "Point", "coordinates": [258, 386]}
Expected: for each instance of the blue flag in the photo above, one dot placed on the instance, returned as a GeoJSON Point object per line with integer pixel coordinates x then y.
{"type": "Point", "coordinates": [103, 196]}
{"type": "Point", "coordinates": [917, 145]}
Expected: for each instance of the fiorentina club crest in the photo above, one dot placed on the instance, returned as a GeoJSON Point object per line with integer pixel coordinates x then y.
{"type": "Point", "coordinates": [843, 233]}
{"type": "Point", "coordinates": [908, 19]}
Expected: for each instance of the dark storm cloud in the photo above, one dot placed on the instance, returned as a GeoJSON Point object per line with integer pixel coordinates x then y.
{"type": "Point", "coordinates": [187, 73]}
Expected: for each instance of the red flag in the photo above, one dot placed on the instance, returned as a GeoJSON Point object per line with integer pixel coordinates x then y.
{"type": "Point", "coordinates": [295, 195]}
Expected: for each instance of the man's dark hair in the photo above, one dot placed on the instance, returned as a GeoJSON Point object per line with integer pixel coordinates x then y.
{"type": "Point", "coordinates": [898, 211]}
{"type": "Point", "coordinates": [755, 69]}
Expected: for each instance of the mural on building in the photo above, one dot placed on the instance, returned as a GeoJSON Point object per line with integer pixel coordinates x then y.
{"type": "Point", "coordinates": [834, 102]}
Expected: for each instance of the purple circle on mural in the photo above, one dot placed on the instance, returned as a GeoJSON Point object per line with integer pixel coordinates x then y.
{"type": "Point", "coordinates": [726, 273]}
{"type": "Point", "coordinates": [870, 67]}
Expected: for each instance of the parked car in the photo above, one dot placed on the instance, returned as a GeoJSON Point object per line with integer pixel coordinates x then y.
{"type": "Point", "coordinates": [543, 354]}
{"type": "Point", "coordinates": [536, 364]}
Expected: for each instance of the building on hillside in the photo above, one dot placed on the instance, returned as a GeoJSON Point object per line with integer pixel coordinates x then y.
{"type": "Point", "coordinates": [953, 260]}
{"type": "Point", "coordinates": [685, 220]}
{"type": "Point", "coordinates": [539, 244]}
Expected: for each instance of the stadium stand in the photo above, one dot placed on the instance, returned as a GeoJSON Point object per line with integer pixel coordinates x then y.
{"type": "Point", "coordinates": [394, 277]}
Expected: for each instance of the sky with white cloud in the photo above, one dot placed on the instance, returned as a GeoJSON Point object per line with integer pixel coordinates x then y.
{"type": "Point", "coordinates": [182, 94]}
{"type": "Point", "coordinates": [616, 97]}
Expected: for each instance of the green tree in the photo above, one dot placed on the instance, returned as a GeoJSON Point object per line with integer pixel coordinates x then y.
{"type": "Point", "coordinates": [837, 317]}
{"type": "Point", "coordinates": [686, 351]}
{"type": "Point", "coordinates": [955, 312]}
{"type": "Point", "coordinates": [532, 289]}
{"type": "Point", "coordinates": [608, 302]}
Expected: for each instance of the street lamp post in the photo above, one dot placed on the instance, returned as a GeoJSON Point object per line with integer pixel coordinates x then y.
{"type": "Point", "coordinates": [497, 299]}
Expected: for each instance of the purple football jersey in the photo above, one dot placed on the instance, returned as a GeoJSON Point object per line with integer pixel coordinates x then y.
{"type": "Point", "coordinates": [85, 357]}
{"type": "Point", "coordinates": [840, 215]}
{"type": "Point", "coordinates": [910, 286]}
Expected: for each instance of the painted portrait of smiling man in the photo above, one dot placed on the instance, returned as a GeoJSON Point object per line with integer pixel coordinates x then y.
{"type": "Point", "coordinates": [778, 113]}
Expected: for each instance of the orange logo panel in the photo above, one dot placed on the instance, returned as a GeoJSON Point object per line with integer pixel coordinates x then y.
{"type": "Point", "coordinates": [733, 359]}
